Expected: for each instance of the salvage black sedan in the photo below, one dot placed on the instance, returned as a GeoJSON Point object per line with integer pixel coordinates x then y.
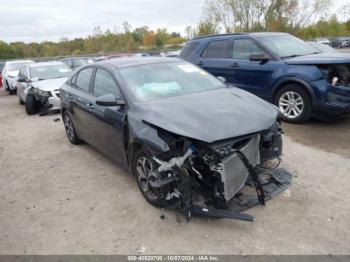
{"type": "Point", "coordinates": [192, 144]}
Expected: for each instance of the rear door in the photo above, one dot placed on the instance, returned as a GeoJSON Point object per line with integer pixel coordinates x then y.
{"type": "Point", "coordinates": [216, 58]}
{"type": "Point", "coordinates": [81, 102]}
{"type": "Point", "coordinates": [108, 121]}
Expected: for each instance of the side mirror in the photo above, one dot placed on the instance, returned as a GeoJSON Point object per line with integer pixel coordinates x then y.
{"type": "Point", "coordinates": [261, 57]}
{"type": "Point", "coordinates": [221, 79]}
{"type": "Point", "coordinates": [109, 100]}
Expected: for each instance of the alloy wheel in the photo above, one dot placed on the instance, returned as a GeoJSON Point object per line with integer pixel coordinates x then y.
{"type": "Point", "coordinates": [291, 104]}
{"type": "Point", "coordinates": [144, 169]}
{"type": "Point", "coordinates": [69, 127]}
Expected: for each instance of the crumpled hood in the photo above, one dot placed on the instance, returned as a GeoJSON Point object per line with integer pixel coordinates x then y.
{"type": "Point", "coordinates": [321, 58]}
{"type": "Point", "coordinates": [210, 116]}
{"type": "Point", "coordinates": [50, 84]}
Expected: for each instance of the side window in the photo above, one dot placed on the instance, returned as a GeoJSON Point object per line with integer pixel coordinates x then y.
{"type": "Point", "coordinates": [104, 84]}
{"type": "Point", "coordinates": [83, 79]}
{"type": "Point", "coordinates": [73, 79]}
{"type": "Point", "coordinates": [221, 49]}
{"type": "Point", "coordinates": [243, 48]}
{"type": "Point", "coordinates": [25, 72]}
{"type": "Point", "coordinates": [20, 74]}
{"type": "Point", "coordinates": [188, 50]}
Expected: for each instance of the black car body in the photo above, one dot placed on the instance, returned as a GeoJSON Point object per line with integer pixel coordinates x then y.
{"type": "Point", "coordinates": [194, 151]}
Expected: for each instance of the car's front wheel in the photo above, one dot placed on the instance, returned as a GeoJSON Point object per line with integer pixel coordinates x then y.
{"type": "Point", "coordinates": [294, 103]}
{"type": "Point", "coordinates": [32, 105]}
{"type": "Point", "coordinates": [70, 129]}
{"type": "Point", "coordinates": [142, 168]}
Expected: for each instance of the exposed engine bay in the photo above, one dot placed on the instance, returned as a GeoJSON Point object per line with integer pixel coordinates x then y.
{"type": "Point", "coordinates": [218, 179]}
{"type": "Point", "coordinates": [336, 74]}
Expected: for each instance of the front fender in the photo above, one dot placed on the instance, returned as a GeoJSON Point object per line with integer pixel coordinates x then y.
{"type": "Point", "coordinates": [145, 135]}
{"type": "Point", "coordinates": [294, 80]}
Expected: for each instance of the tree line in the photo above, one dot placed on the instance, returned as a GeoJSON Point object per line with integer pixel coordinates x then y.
{"type": "Point", "coordinates": [99, 42]}
{"type": "Point", "coordinates": [306, 19]}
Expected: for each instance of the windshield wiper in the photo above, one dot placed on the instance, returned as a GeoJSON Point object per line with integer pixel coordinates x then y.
{"type": "Point", "coordinates": [290, 56]}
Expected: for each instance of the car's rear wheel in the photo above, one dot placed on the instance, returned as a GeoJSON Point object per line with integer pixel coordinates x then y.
{"type": "Point", "coordinates": [142, 168]}
{"type": "Point", "coordinates": [294, 103]}
{"type": "Point", "coordinates": [70, 129]}
{"type": "Point", "coordinates": [32, 105]}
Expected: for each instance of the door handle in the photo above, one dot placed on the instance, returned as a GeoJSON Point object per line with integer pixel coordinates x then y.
{"type": "Point", "coordinates": [200, 63]}
{"type": "Point", "coordinates": [235, 65]}
{"type": "Point", "coordinates": [90, 106]}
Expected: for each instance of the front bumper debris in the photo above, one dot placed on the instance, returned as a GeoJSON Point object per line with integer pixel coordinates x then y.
{"type": "Point", "coordinates": [274, 182]}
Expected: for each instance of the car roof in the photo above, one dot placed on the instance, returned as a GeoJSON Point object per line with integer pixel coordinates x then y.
{"type": "Point", "coordinates": [135, 61]}
{"type": "Point", "coordinates": [76, 57]}
{"type": "Point", "coordinates": [254, 34]}
{"type": "Point", "coordinates": [19, 61]}
{"type": "Point", "coordinates": [51, 63]}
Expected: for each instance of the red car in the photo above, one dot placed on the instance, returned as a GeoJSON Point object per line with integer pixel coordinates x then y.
{"type": "Point", "coordinates": [1, 67]}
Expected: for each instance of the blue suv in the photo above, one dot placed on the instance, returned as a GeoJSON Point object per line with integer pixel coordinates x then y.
{"type": "Point", "coordinates": [279, 68]}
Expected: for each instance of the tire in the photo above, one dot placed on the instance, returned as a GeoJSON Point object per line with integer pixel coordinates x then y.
{"type": "Point", "coordinates": [294, 102]}
{"type": "Point", "coordinates": [12, 92]}
{"type": "Point", "coordinates": [150, 197]}
{"type": "Point", "coordinates": [32, 106]}
{"type": "Point", "coordinates": [70, 129]}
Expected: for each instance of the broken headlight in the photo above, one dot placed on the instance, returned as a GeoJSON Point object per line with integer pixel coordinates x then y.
{"type": "Point", "coordinates": [41, 92]}
{"type": "Point", "coordinates": [271, 143]}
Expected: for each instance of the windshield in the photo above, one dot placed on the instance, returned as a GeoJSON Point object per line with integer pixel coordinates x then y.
{"type": "Point", "coordinates": [287, 46]}
{"type": "Point", "coordinates": [323, 48]}
{"type": "Point", "coordinates": [16, 66]}
{"type": "Point", "coordinates": [49, 72]}
{"type": "Point", "coordinates": [81, 62]}
{"type": "Point", "coordinates": [161, 80]}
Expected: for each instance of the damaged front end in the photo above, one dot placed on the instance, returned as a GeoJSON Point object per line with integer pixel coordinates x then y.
{"type": "Point", "coordinates": [336, 74]}
{"type": "Point", "coordinates": [336, 86]}
{"type": "Point", "coordinates": [217, 179]}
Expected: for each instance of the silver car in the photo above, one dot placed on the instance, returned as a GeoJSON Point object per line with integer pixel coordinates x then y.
{"type": "Point", "coordinates": [38, 86]}
{"type": "Point", "coordinates": [10, 74]}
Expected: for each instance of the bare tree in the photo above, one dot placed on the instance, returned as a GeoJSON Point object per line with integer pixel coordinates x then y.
{"type": "Point", "coordinates": [249, 15]}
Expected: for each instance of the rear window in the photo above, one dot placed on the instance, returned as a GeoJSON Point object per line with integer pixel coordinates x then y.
{"type": "Point", "coordinates": [188, 50]}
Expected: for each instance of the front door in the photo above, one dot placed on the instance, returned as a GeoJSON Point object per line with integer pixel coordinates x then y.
{"type": "Point", "coordinates": [252, 76]}
{"type": "Point", "coordinates": [108, 120]}
{"type": "Point", "coordinates": [216, 59]}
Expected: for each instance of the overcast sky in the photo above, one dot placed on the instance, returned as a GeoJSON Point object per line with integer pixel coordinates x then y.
{"type": "Point", "coordinates": [40, 20]}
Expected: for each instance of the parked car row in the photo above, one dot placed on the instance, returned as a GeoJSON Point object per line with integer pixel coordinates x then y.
{"type": "Point", "coordinates": [336, 42]}
{"type": "Point", "coordinates": [195, 133]}
{"type": "Point", "coordinates": [340, 42]}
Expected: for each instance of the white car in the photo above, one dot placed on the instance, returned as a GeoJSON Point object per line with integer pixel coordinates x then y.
{"type": "Point", "coordinates": [324, 41]}
{"type": "Point", "coordinates": [38, 86]}
{"type": "Point", "coordinates": [10, 74]}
